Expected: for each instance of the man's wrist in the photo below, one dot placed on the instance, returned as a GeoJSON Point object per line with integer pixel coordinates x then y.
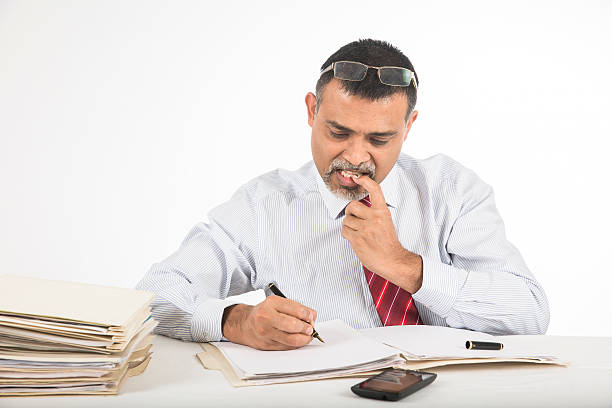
{"type": "Point", "coordinates": [410, 271]}
{"type": "Point", "coordinates": [231, 323]}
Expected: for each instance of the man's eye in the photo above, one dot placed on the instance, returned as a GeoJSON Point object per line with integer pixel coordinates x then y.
{"type": "Point", "coordinates": [338, 135]}
{"type": "Point", "coordinates": [378, 142]}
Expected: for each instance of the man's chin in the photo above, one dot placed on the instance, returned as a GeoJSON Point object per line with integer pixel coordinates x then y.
{"type": "Point", "coordinates": [343, 192]}
{"type": "Point", "coordinates": [349, 193]}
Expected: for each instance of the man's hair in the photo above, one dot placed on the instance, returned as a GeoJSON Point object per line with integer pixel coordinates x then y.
{"type": "Point", "coordinates": [375, 53]}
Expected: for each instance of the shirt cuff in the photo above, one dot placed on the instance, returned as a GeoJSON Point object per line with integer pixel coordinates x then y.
{"type": "Point", "coordinates": [441, 286]}
{"type": "Point", "coordinates": [207, 319]}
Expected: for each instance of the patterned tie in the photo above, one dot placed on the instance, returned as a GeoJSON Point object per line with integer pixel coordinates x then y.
{"type": "Point", "coordinates": [393, 304]}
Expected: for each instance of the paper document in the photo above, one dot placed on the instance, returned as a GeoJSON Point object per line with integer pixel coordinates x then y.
{"type": "Point", "coordinates": [348, 352]}
{"type": "Point", "coordinates": [345, 351]}
{"type": "Point", "coordinates": [440, 343]}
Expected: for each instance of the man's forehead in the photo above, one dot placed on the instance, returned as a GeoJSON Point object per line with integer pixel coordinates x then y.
{"type": "Point", "coordinates": [351, 110]}
{"type": "Point", "coordinates": [334, 88]}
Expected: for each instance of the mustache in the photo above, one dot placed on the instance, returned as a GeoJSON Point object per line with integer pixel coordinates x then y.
{"type": "Point", "coordinates": [363, 168]}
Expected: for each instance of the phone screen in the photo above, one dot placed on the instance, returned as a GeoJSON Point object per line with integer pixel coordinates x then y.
{"type": "Point", "coordinates": [391, 381]}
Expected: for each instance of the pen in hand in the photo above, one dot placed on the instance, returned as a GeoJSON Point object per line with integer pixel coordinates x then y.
{"type": "Point", "coordinates": [277, 292]}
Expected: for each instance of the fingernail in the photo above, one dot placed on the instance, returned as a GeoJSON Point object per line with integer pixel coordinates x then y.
{"type": "Point", "coordinates": [309, 330]}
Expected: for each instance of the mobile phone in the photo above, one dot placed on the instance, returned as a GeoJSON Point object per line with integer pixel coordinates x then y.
{"type": "Point", "coordinates": [393, 384]}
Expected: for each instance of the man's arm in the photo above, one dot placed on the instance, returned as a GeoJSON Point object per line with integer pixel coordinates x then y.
{"type": "Point", "coordinates": [487, 286]}
{"type": "Point", "coordinates": [191, 284]}
{"type": "Point", "coordinates": [217, 260]}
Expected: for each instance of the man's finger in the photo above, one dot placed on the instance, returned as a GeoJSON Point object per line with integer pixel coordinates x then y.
{"type": "Point", "coordinates": [376, 195]}
{"type": "Point", "coordinates": [353, 222]}
{"type": "Point", "coordinates": [358, 209]}
{"type": "Point", "coordinates": [348, 233]}
{"type": "Point", "coordinates": [270, 345]}
{"type": "Point", "coordinates": [290, 340]}
{"type": "Point", "coordinates": [295, 309]}
{"type": "Point", "coordinates": [290, 324]}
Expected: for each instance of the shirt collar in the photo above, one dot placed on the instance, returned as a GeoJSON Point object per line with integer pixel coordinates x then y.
{"type": "Point", "coordinates": [335, 205]}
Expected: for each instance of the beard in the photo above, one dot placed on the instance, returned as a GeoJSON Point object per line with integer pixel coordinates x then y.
{"type": "Point", "coordinates": [348, 193]}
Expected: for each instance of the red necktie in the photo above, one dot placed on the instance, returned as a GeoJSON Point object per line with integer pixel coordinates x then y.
{"type": "Point", "coordinates": [393, 304]}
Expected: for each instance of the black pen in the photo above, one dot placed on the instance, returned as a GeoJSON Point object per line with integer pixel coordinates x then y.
{"type": "Point", "coordinates": [277, 292]}
{"type": "Point", "coordinates": [483, 345]}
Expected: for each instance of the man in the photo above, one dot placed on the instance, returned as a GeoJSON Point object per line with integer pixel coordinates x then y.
{"type": "Point", "coordinates": [363, 233]}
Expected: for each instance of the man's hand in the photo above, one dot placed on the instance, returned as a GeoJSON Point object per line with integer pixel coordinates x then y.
{"type": "Point", "coordinates": [274, 324]}
{"type": "Point", "coordinates": [372, 235]}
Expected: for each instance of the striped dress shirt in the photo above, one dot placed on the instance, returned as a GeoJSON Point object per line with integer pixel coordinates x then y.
{"type": "Point", "coordinates": [284, 227]}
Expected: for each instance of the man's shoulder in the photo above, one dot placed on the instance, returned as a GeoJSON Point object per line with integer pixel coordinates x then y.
{"type": "Point", "coordinates": [435, 169]}
{"type": "Point", "coordinates": [289, 184]}
{"type": "Point", "coordinates": [443, 177]}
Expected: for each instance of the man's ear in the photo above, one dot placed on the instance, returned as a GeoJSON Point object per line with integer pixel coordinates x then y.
{"type": "Point", "coordinates": [311, 106]}
{"type": "Point", "coordinates": [411, 118]}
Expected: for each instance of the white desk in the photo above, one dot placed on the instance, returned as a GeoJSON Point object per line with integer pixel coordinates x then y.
{"type": "Point", "coordinates": [175, 378]}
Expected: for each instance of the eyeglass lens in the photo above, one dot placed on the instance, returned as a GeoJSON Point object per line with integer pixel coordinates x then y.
{"type": "Point", "coordinates": [350, 71]}
{"type": "Point", "coordinates": [395, 76]}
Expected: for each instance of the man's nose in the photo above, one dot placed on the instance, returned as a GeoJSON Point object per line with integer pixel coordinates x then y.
{"type": "Point", "coordinates": [356, 152]}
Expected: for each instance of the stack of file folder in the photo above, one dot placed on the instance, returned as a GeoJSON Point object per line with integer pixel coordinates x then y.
{"type": "Point", "coordinates": [60, 338]}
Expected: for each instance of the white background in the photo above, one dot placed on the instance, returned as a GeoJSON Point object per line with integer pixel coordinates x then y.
{"type": "Point", "coordinates": [122, 123]}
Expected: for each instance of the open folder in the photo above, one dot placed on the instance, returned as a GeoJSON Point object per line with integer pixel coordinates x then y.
{"type": "Point", "coordinates": [348, 352]}
{"type": "Point", "coordinates": [70, 338]}
{"type": "Point", "coordinates": [345, 352]}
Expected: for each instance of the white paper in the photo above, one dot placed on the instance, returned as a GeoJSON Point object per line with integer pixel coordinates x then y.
{"type": "Point", "coordinates": [437, 342]}
{"type": "Point", "coordinates": [343, 347]}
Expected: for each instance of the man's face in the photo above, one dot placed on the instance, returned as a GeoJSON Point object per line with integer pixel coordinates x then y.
{"type": "Point", "coordinates": [351, 134]}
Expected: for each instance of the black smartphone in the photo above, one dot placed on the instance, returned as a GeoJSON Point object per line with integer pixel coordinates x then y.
{"type": "Point", "coordinates": [393, 384]}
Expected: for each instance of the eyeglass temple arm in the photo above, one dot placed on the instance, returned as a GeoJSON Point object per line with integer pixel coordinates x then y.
{"type": "Point", "coordinates": [329, 68]}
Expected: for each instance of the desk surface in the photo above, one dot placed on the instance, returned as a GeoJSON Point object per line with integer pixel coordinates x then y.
{"type": "Point", "coordinates": [175, 378]}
